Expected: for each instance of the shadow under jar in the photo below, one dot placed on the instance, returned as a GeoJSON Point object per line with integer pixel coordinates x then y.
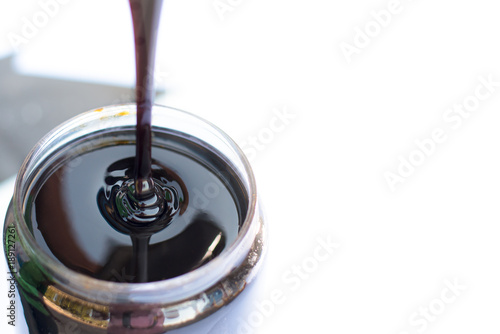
{"type": "Point", "coordinates": [76, 272]}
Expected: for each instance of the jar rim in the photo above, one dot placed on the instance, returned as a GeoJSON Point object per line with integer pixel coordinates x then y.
{"type": "Point", "coordinates": [169, 290]}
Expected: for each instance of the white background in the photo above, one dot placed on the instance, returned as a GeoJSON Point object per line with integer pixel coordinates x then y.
{"type": "Point", "coordinates": [322, 174]}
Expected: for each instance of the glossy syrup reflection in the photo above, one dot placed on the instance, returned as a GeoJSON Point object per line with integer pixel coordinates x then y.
{"type": "Point", "coordinates": [140, 216]}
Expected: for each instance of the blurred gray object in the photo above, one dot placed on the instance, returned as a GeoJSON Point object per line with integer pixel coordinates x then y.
{"type": "Point", "coordinates": [32, 106]}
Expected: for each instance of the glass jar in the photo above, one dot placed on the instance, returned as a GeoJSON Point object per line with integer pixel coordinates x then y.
{"type": "Point", "coordinates": [57, 299]}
